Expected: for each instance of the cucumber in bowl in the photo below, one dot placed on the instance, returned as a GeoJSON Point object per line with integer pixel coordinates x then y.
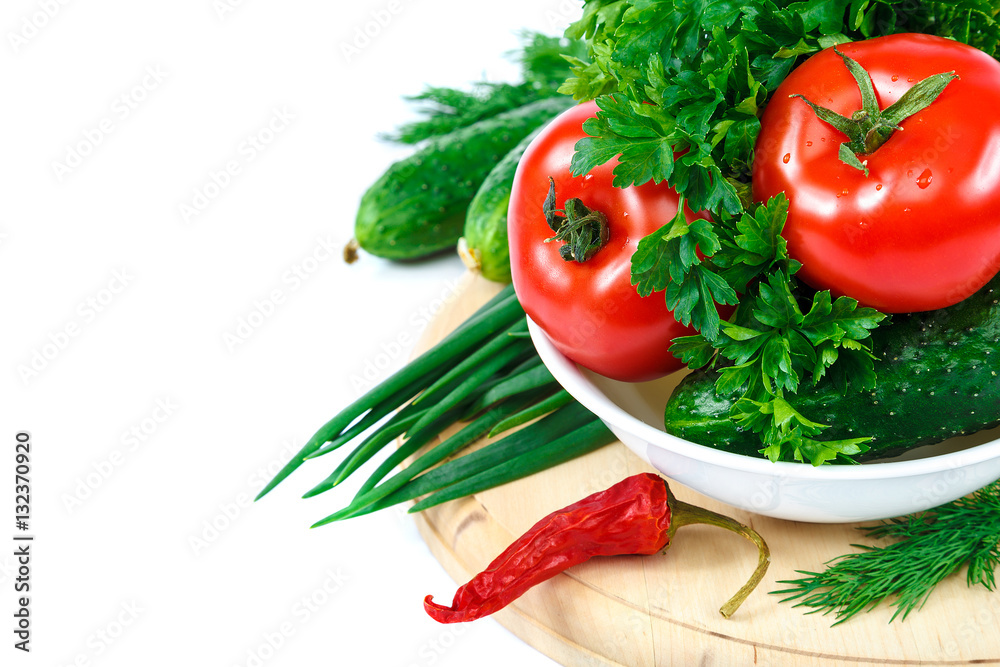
{"type": "Point", "coordinates": [937, 378]}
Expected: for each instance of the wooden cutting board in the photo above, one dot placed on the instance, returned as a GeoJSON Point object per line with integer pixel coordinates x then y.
{"type": "Point", "coordinates": [639, 611]}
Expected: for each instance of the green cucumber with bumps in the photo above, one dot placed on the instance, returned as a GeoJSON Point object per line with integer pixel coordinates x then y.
{"type": "Point", "coordinates": [938, 377]}
{"type": "Point", "coordinates": [418, 206]}
{"type": "Point", "coordinates": [483, 245]}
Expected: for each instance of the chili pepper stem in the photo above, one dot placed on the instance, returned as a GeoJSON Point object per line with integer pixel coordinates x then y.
{"type": "Point", "coordinates": [683, 514]}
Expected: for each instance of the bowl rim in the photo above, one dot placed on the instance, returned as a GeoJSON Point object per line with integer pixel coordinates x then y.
{"type": "Point", "coordinates": [568, 374]}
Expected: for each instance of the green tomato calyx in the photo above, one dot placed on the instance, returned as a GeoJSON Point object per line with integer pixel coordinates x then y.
{"type": "Point", "coordinates": [869, 127]}
{"type": "Point", "coordinates": [582, 230]}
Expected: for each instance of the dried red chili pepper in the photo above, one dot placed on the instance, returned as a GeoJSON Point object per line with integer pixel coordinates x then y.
{"type": "Point", "coordinates": [638, 515]}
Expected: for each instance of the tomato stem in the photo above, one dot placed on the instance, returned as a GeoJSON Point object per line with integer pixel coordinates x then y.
{"type": "Point", "coordinates": [869, 127]}
{"type": "Point", "coordinates": [582, 230]}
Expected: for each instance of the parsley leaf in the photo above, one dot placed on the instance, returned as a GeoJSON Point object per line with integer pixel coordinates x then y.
{"type": "Point", "coordinates": [787, 435]}
{"type": "Point", "coordinates": [667, 260]}
{"type": "Point", "coordinates": [778, 337]}
{"type": "Point", "coordinates": [645, 147]}
{"type": "Point", "coordinates": [775, 347]}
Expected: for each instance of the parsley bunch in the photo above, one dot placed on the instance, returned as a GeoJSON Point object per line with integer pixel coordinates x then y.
{"type": "Point", "coordinates": [680, 86]}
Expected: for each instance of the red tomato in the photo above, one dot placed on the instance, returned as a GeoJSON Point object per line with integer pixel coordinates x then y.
{"type": "Point", "coordinates": [590, 310]}
{"type": "Point", "coordinates": [922, 230]}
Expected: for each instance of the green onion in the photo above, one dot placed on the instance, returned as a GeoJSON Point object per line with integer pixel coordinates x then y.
{"type": "Point", "coordinates": [486, 373]}
{"type": "Point", "coordinates": [554, 425]}
{"type": "Point", "coordinates": [549, 428]}
{"type": "Point", "coordinates": [584, 440]}
{"type": "Point", "coordinates": [535, 376]}
{"type": "Point", "coordinates": [374, 444]}
{"type": "Point", "coordinates": [553, 402]}
{"type": "Point", "coordinates": [498, 313]}
{"type": "Point", "coordinates": [464, 437]}
{"type": "Point", "coordinates": [369, 419]}
{"type": "Point", "coordinates": [483, 354]}
{"type": "Point", "coordinates": [444, 413]}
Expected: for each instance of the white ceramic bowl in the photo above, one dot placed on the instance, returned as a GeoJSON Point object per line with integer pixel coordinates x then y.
{"type": "Point", "coordinates": [921, 479]}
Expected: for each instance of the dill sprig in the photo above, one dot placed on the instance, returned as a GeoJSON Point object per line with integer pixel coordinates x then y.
{"type": "Point", "coordinates": [929, 547]}
{"type": "Point", "coordinates": [544, 62]}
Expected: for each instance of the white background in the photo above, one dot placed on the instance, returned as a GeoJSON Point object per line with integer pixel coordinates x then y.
{"type": "Point", "coordinates": [150, 431]}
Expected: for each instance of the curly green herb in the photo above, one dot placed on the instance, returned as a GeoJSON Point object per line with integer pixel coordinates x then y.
{"type": "Point", "coordinates": [930, 547]}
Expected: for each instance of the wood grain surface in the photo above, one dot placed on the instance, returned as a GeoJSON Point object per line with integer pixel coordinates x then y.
{"type": "Point", "coordinates": [640, 611]}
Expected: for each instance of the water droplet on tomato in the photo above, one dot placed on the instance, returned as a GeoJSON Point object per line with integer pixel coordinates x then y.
{"type": "Point", "coordinates": [895, 77]}
{"type": "Point", "coordinates": [909, 79]}
{"type": "Point", "coordinates": [786, 158]}
{"type": "Point", "coordinates": [878, 187]}
{"type": "Point", "coordinates": [925, 179]}
{"type": "Point", "coordinates": [809, 143]}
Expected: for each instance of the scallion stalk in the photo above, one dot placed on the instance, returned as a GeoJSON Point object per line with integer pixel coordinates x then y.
{"type": "Point", "coordinates": [584, 440]}
{"type": "Point", "coordinates": [497, 314]}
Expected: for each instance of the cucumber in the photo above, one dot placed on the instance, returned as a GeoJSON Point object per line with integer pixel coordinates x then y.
{"type": "Point", "coordinates": [417, 207]}
{"type": "Point", "coordinates": [483, 246]}
{"type": "Point", "coordinates": [938, 377]}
